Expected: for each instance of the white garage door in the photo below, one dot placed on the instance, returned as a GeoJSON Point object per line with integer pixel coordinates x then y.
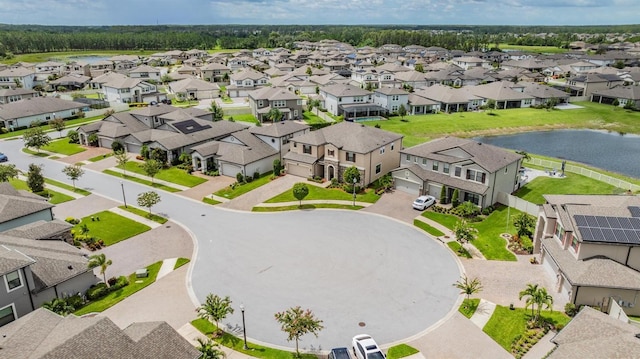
{"type": "Point", "coordinates": [407, 186]}
{"type": "Point", "coordinates": [434, 190]}
{"type": "Point", "coordinates": [298, 170]}
{"type": "Point", "coordinates": [133, 148]}
{"type": "Point", "coordinates": [550, 266]}
{"type": "Point", "coordinates": [229, 170]}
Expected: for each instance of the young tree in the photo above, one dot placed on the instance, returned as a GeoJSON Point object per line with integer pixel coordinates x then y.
{"type": "Point", "coordinates": [297, 322]}
{"type": "Point", "coordinates": [351, 173]}
{"type": "Point", "coordinates": [215, 309]}
{"type": "Point", "coordinates": [73, 136]}
{"type": "Point", "coordinates": [122, 159]}
{"type": "Point", "coordinates": [216, 111]}
{"type": "Point", "coordinates": [468, 209]}
{"type": "Point", "coordinates": [274, 114]}
{"type": "Point", "coordinates": [35, 180]}
{"type": "Point", "coordinates": [468, 286]}
{"type": "Point", "coordinates": [8, 172]}
{"type": "Point", "coordinates": [57, 124]}
{"type": "Point", "coordinates": [455, 198]}
{"type": "Point", "coordinates": [402, 111]}
{"type": "Point", "coordinates": [530, 293]}
{"type": "Point", "coordinates": [117, 146]}
{"type": "Point", "coordinates": [300, 191]}
{"type": "Point", "coordinates": [151, 168]}
{"type": "Point", "coordinates": [464, 232]}
{"type": "Point", "coordinates": [277, 167]}
{"type": "Point", "coordinates": [443, 195]}
{"type": "Point", "coordinates": [209, 349]}
{"type": "Point", "coordinates": [524, 154]}
{"type": "Point", "coordinates": [419, 67]}
{"type": "Point", "coordinates": [491, 105]}
{"type": "Point", "coordinates": [148, 199]}
{"type": "Point", "coordinates": [74, 172]}
{"type": "Point", "coordinates": [35, 137]}
{"type": "Point", "coordinates": [100, 260]}
{"type": "Point", "coordinates": [525, 224]}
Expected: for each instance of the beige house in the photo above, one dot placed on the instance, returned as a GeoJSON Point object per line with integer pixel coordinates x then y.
{"type": "Point", "coordinates": [263, 100]}
{"type": "Point", "coordinates": [328, 152]}
{"type": "Point", "coordinates": [590, 244]}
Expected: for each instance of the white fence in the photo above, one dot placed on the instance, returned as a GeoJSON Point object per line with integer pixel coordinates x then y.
{"type": "Point", "coordinates": [518, 203]}
{"type": "Point", "coordinates": [585, 172]}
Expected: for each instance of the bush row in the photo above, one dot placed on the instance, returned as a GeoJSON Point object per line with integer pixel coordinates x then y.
{"type": "Point", "coordinates": [99, 290]}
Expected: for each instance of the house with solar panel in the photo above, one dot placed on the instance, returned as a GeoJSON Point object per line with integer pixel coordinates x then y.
{"type": "Point", "coordinates": [590, 246]}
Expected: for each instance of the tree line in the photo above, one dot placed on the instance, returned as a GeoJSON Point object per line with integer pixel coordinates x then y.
{"type": "Point", "coordinates": [22, 39]}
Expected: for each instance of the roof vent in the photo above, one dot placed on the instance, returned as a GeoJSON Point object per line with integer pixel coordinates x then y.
{"type": "Point", "coordinates": [638, 336]}
{"type": "Point", "coordinates": [70, 267]}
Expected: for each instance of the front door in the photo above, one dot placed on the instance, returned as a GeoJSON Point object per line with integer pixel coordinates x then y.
{"type": "Point", "coordinates": [331, 173]}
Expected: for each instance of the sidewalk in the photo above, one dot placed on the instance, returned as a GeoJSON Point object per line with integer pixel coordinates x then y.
{"type": "Point", "coordinates": [135, 217]}
{"type": "Point", "coordinates": [56, 188]}
{"type": "Point", "coordinates": [147, 178]}
{"type": "Point", "coordinates": [313, 201]}
{"type": "Point", "coordinates": [483, 313]}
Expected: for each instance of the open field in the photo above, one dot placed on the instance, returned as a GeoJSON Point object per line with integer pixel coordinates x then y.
{"type": "Point", "coordinates": [64, 56]}
{"type": "Point", "coordinates": [536, 49]}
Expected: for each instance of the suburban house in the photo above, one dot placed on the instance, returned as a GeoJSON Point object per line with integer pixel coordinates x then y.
{"type": "Point", "coordinates": [587, 84]}
{"type": "Point", "coordinates": [350, 101]}
{"type": "Point", "coordinates": [503, 94]}
{"type": "Point", "coordinates": [19, 208]}
{"type": "Point", "coordinates": [50, 67]}
{"type": "Point", "coordinates": [214, 72]}
{"type": "Point", "coordinates": [329, 151]}
{"type": "Point", "coordinates": [624, 95]}
{"type": "Point", "coordinates": [450, 99]}
{"type": "Point", "coordinates": [146, 72]}
{"type": "Point", "coordinates": [70, 82]}
{"type": "Point", "coordinates": [391, 99]}
{"type": "Point", "coordinates": [541, 94]}
{"type": "Point", "coordinates": [128, 90]}
{"type": "Point", "coordinates": [195, 89]}
{"type": "Point", "coordinates": [590, 246]}
{"type": "Point", "coordinates": [247, 79]}
{"type": "Point", "coordinates": [47, 335]}
{"type": "Point", "coordinates": [263, 100]}
{"type": "Point", "coordinates": [16, 94]}
{"type": "Point", "coordinates": [20, 114]}
{"type": "Point", "coordinates": [478, 171]}
{"type": "Point", "coordinates": [469, 62]}
{"type": "Point", "coordinates": [418, 105]}
{"type": "Point", "coordinates": [17, 77]}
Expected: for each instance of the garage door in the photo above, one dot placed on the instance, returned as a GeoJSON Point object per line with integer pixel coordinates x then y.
{"type": "Point", "coordinates": [550, 266]}
{"type": "Point", "coordinates": [229, 170]}
{"type": "Point", "coordinates": [407, 186]}
{"type": "Point", "coordinates": [434, 190]}
{"type": "Point", "coordinates": [133, 148]}
{"type": "Point", "coordinates": [298, 170]}
{"type": "Point", "coordinates": [106, 142]}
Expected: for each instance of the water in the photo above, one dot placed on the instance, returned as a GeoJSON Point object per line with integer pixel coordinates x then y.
{"type": "Point", "coordinates": [88, 59]}
{"type": "Point", "coordinates": [607, 150]}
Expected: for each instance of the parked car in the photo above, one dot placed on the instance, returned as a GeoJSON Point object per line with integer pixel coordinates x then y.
{"type": "Point", "coordinates": [423, 202]}
{"type": "Point", "coordinates": [3, 157]}
{"type": "Point", "coordinates": [339, 353]}
{"type": "Point", "coordinates": [364, 347]}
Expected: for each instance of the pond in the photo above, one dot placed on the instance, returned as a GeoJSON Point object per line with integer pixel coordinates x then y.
{"type": "Point", "coordinates": [88, 59]}
{"type": "Point", "coordinates": [607, 150]}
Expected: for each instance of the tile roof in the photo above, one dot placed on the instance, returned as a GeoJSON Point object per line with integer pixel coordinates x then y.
{"type": "Point", "coordinates": [36, 106]}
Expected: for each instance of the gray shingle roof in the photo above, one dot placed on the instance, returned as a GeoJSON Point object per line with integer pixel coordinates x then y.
{"type": "Point", "coordinates": [450, 181]}
{"type": "Point", "coordinates": [279, 129]}
{"type": "Point", "coordinates": [349, 136]}
{"type": "Point", "coordinates": [39, 229]}
{"type": "Point", "coordinates": [342, 90]}
{"type": "Point", "coordinates": [11, 259]}
{"type": "Point", "coordinates": [624, 92]}
{"type": "Point", "coordinates": [248, 149]}
{"type": "Point", "coordinates": [36, 106]}
{"type": "Point", "coordinates": [193, 84]}
{"type": "Point", "coordinates": [15, 204]}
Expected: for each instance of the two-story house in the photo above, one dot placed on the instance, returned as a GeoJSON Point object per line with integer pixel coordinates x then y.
{"type": "Point", "coordinates": [240, 83]}
{"type": "Point", "coordinates": [128, 90]}
{"type": "Point", "coordinates": [329, 151]}
{"type": "Point", "coordinates": [263, 100]}
{"type": "Point", "coordinates": [349, 100]}
{"type": "Point", "coordinates": [391, 99]}
{"type": "Point", "coordinates": [478, 171]}
{"type": "Point", "coordinates": [215, 72]}
{"type": "Point", "coordinates": [590, 247]}
{"type": "Point", "coordinates": [587, 84]}
{"type": "Point", "coordinates": [50, 68]}
{"type": "Point", "coordinates": [146, 72]}
{"type": "Point", "coordinates": [17, 77]}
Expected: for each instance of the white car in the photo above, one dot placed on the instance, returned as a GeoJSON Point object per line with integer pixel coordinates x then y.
{"type": "Point", "coordinates": [364, 347]}
{"type": "Point", "coordinates": [424, 202]}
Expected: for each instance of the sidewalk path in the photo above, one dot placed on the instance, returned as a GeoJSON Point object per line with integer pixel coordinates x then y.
{"type": "Point", "coordinates": [167, 267]}
{"type": "Point", "coordinates": [147, 178]}
{"type": "Point", "coordinates": [483, 313]}
{"type": "Point", "coordinates": [250, 199]}
{"type": "Point", "coordinates": [135, 217]}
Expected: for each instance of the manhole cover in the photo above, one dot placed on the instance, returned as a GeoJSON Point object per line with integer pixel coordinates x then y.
{"type": "Point", "coordinates": [168, 227]}
{"type": "Point", "coordinates": [203, 215]}
{"type": "Point", "coordinates": [362, 324]}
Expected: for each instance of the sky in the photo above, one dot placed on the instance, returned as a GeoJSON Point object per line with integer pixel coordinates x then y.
{"type": "Point", "coordinates": [320, 12]}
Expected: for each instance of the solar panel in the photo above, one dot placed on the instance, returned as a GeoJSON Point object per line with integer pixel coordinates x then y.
{"type": "Point", "coordinates": [635, 211]}
{"type": "Point", "coordinates": [625, 223]}
{"type": "Point", "coordinates": [613, 222]}
{"type": "Point", "coordinates": [633, 236]}
{"type": "Point", "coordinates": [580, 221]}
{"type": "Point", "coordinates": [585, 233]}
{"type": "Point", "coordinates": [597, 235]}
{"type": "Point", "coordinates": [602, 222]}
{"type": "Point", "coordinates": [608, 229]}
{"type": "Point", "coordinates": [635, 223]}
{"type": "Point", "coordinates": [591, 221]}
{"type": "Point", "coordinates": [620, 236]}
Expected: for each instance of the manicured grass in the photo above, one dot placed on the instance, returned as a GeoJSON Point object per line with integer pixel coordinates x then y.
{"type": "Point", "coordinates": [121, 294]}
{"type": "Point", "coordinates": [65, 55]}
{"type": "Point", "coordinates": [101, 157]}
{"type": "Point", "coordinates": [171, 174]}
{"type": "Point", "coordinates": [243, 117]}
{"type": "Point", "coordinates": [180, 262]}
{"type": "Point", "coordinates": [111, 228]}
{"type": "Point", "coordinates": [421, 128]}
{"type": "Point", "coordinates": [177, 103]}
{"type": "Point", "coordinates": [401, 351]}
{"type": "Point", "coordinates": [459, 250]}
{"type": "Point", "coordinates": [489, 242]}
{"type": "Point", "coordinates": [35, 153]}
{"type": "Point", "coordinates": [319, 193]}
{"type": "Point", "coordinates": [210, 201]}
{"type": "Point", "coordinates": [54, 197]}
{"type": "Point", "coordinates": [311, 118]}
{"type": "Point", "coordinates": [141, 181]}
{"type": "Point", "coordinates": [241, 189]}
{"type": "Point", "coordinates": [68, 123]}
{"type": "Point", "coordinates": [145, 214]}
{"type": "Point", "coordinates": [468, 307]}
{"type": "Point", "coordinates": [536, 49]}
{"type": "Point", "coordinates": [427, 228]}
{"type": "Point", "coordinates": [237, 344]}
{"type": "Point", "coordinates": [305, 206]}
{"type": "Point", "coordinates": [67, 187]}
{"type": "Point", "coordinates": [63, 147]}
{"type": "Point", "coordinates": [572, 183]}
{"type": "Point", "coordinates": [505, 324]}
{"type": "Point", "coordinates": [446, 220]}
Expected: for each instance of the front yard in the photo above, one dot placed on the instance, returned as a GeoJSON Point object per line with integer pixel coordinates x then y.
{"type": "Point", "coordinates": [572, 183]}
{"type": "Point", "coordinates": [54, 197]}
{"type": "Point", "coordinates": [171, 174]}
{"type": "Point", "coordinates": [110, 227]}
{"type": "Point", "coordinates": [236, 189]}
{"type": "Point", "coordinates": [319, 193]}
{"type": "Point", "coordinates": [63, 147]}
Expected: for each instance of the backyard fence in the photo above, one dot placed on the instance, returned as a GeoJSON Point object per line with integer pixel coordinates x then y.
{"type": "Point", "coordinates": [518, 203]}
{"type": "Point", "coordinates": [557, 166]}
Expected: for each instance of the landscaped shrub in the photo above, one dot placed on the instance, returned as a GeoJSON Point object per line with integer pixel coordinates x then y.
{"type": "Point", "coordinates": [248, 179]}
{"type": "Point", "coordinates": [256, 175]}
{"type": "Point", "coordinates": [239, 177]}
{"type": "Point", "coordinates": [97, 291]}
{"type": "Point", "coordinates": [443, 195]}
{"type": "Point", "coordinates": [117, 146]}
{"type": "Point", "coordinates": [72, 220]}
{"type": "Point", "coordinates": [487, 211]}
{"type": "Point", "coordinates": [3, 130]}
{"type": "Point", "coordinates": [120, 282]}
{"type": "Point", "coordinates": [455, 201]}
{"type": "Point", "coordinates": [144, 152]}
{"type": "Point", "coordinates": [212, 173]}
{"type": "Point", "coordinates": [570, 309]}
{"type": "Point", "coordinates": [111, 281]}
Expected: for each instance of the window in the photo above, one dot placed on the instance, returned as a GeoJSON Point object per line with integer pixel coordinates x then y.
{"type": "Point", "coordinates": [392, 146]}
{"type": "Point", "coordinates": [477, 176]}
{"type": "Point", "coordinates": [382, 150]}
{"type": "Point", "coordinates": [424, 161]}
{"type": "Point", "coordinates": [408, 157]}
{"type": "Point", "coordinates": [358, 99]}
{"type": "Point", "coordinates": [457, 171]}
{"type": "Point", "coordinates": [394, 108]}
{"type": "Point", "coordinates": [378, 168]}
{"type": "Point", "coordinates": [435, 165]}
{"type": "Point", "coordinates": [306, 149]}
{"type": "Point", "coordinates": [472, 197]}
{"type": "Point", "coordinates": [527, 101]}
{"type": "Point", "coordinates": [394, 98]}
{"type": "Point", "coordinates": [415, 159]}
{"type": "Point", "coordinates": [445, 167]}
{"type": "Point", "coordinates": [575, 244]}
{"type": "Point", "coordinates": [13, 279]}
{"type": "Point", "coordinates": [7, 315]}
{"type": "Point", "coordinates": [559, 231]}
{"type": "Point", "coordinates": [279, 103]}
{"type": "Point", "coordinates": [260, 103]}
{"type": "Point", "coordinates": [331, 153]}
{"type": "Point", "coordinates": [351, 157]}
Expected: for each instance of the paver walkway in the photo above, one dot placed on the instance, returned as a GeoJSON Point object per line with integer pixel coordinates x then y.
{"type": "Point", "coordinates": [248, 200]}
{"type": "Point", "coordinates": [483, 313]}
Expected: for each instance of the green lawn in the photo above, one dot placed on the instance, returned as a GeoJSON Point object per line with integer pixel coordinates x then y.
{"type": "Point", "coordinates": [446, 220]}
{"type": "Point", "coordinates": [421, 128]}
{"type": "Point", "coordinates": [311, 118]}
{"type": "Point", "coordinates": [142, 181]}
{"type": "Point", "coordinates": [468, 307]}
{"type": "Point", "coordinates": [319, 193]}
{"type": "Point", "coordinates": [65, 55]}
{"type": "Point", "coordinates": [35, 152]}
{"type": "Point", "coordinates": [237, 344]}
{"type": "Point", "coordinates": [427, 228]}
{"type": "Point", "coordinates": [111, 228]}
{"type": "Point", "coordinates": [572, 183]}
{"type": "Point", "coordinates": [459, 250]}
{"type": "Point", "coordinates": [180, 262]}
{"type": "Point", "coordinates": [68, 123]}
{"type": "Point", "coordinates": [505, 324]}
{"type": "Point", "coordinates": [241, 189]}
{"type": "Point", "coordinates": [489, 242]}
{"type": "Point", "coordinates": [67, 187]}
{"type": "Point", "coordinates": [64, 147]}
{"type": "Point", "coordinates": [305, 206]}
{"type": "Point", "coordinates": [54, 197]}
{"type": "Point", "coordinates": [121, 294]}
{"type": "Point", "coordinates": [145, 214]}
{"type": "Point", "coordinates": [171, 174]}
{"type": "Point", "coordinates": [401, 351]}
{"type": "Point", "coordinates": [210, 201]}
{"type": "Point", "coordinates": [536, 49]}
{"type": "Point", "coordinates": [243, 117]}
{"type": "Point", "coordinates": [100, 158]}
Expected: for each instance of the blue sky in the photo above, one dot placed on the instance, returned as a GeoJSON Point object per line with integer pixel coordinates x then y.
{"type": "Point", "coordinates": [351, 12]}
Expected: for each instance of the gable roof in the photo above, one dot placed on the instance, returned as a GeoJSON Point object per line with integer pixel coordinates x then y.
{"type": "Point", "coordinates": [34, 106]}
{"type": "Point", "coordinates": [11, 259]}
{"type": "Point", "coordinates": [343, 90]}
{"type": "Point", "coordinates": [15, 204]}
{"type": "Point", "coordinates": [445, 94]}
{"type": "Point", "coordinates": [192, 84]}
{"type": "Point", "coordinates": [349, 136]}
{"type": "Point", "coordinates": [499, 91]}
{"type": "Point", "coordinates": [623, 92]}
{"type": "Point", "coordinates": [279, 129]}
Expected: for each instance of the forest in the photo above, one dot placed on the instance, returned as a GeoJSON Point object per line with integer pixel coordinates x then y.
{"type": "Point", "coordinates": [23, 39]}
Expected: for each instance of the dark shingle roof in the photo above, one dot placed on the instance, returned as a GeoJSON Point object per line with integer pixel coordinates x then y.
{"type": "Point", "coordinates": [11, 259]}
{"type": "Point", "coordinates": [39, 229]}
{"type": "Point", "coordinates": [15, 204]}
{"type": "Point", "coordinates": [36, 106]}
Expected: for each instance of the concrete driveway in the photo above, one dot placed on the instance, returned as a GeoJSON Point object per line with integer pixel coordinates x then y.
{"type": "Point", "coordinates": [396, 204]}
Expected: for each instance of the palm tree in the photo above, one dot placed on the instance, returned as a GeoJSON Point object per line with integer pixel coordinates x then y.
{"type": "Point", "coordinates": [209, 349]}
{"type": "Point", "coordinates": [100, 260]}
{"type": "Point", "coordinates": [531, 292]}
{"type": "Point", "coordinates": [468, 286]}
{"type": "Point", "coordinates": [543, 299]}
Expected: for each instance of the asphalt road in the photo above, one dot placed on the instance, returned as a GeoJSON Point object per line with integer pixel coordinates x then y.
{"type": "Point", "coordinates": [358, 272]}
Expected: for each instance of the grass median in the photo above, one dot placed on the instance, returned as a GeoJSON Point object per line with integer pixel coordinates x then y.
{"type": "Point", "coordinates": [171, 174]}
{"type": "Point", "coordinates": [144, 214]}
{"type": "Point", "coordinates": [236, 190]}
{"type": "Point", "coordinates": [141, 181]}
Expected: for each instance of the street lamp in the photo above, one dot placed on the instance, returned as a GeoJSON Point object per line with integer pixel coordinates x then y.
{"type": "Point", "coordinates": [355, 180]}
{"type": "Point", "coordinates": [244, 329]}
{"type": "Point", "coordinates": [123, 196]}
